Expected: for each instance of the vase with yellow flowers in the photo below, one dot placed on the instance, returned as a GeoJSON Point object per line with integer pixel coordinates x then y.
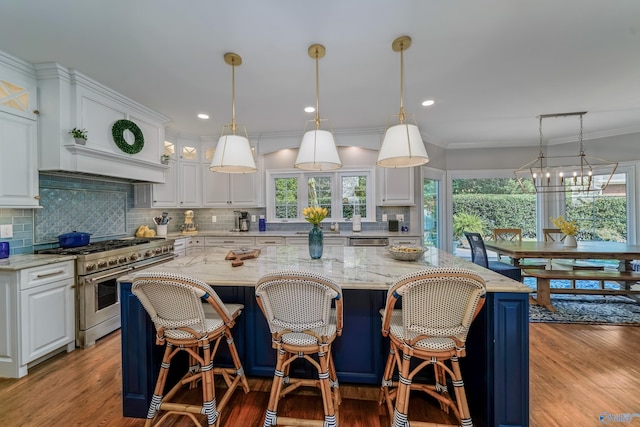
{"type": "Point", "coordinates": [568, 228]}
{"type": "Point", "coordinates": [315, 215]}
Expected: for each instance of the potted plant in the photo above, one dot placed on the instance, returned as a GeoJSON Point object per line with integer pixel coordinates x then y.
{"type": "Point", "coordinates": [164, 159]}
{"type": "Point", "coordinates": [80, 135]}
{"type": "Point", "coordinates": [465, 222]}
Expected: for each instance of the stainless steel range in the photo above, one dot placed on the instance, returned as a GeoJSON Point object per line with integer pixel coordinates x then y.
{"type": "Point", "coordinates": [98, 267]}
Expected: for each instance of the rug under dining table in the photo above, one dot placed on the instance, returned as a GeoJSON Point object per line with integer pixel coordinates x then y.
{"type": "Point", "coordinates": [586, 309]}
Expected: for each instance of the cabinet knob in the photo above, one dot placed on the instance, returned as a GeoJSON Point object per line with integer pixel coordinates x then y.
{"type": "Point", "coordinates": [36, 112]}
{"type": "Point", "coordinates": [36, 197]}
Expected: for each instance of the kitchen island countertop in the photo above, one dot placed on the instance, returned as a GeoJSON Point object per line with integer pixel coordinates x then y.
{"type": "Point", "coordinates": [22, 261]}
{"type": "Point", "coordinates": [365, 268]}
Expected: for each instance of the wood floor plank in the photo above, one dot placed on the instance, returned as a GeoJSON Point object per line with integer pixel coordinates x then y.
{"type": "Point", "coordinates": [576, 373]}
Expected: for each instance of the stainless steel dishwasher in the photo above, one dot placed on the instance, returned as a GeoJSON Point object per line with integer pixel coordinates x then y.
{"type": "Point", "coordinates": [368, 241]}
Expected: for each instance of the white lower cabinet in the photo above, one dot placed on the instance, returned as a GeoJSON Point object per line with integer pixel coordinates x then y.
{"type": "Point", "coordinates": [326, 241]}
{"type": "Point", "coordinates": [405, 241]}
{"type": "Point", "coordinates": [228, 241]}
{"type": "Point", "coordinates": [264, 240]}
{"type": "Point", "coordinates": [38, 313]}
{"type": "Point", "coordinates": [180, 247]}
{"type": "Point", "coordinates": [194, 245]}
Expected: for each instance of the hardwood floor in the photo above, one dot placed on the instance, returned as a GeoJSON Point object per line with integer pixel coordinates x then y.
{"type": "Point", "coordinates": [577, 372]}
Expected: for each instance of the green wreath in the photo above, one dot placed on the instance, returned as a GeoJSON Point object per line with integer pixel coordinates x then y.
{"type": "Point", "coordinates": [118, 136]}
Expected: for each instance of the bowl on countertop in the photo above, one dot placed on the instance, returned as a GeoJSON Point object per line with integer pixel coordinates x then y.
{"type": "Point", "coordinates": [406, 253]}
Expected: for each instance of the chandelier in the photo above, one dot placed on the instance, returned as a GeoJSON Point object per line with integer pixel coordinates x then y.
{"type": "Point", "coordinates": [558, 174]}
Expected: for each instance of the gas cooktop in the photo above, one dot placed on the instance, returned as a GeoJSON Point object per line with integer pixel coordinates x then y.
{"type": "Point", "coordinates": [91, 248]}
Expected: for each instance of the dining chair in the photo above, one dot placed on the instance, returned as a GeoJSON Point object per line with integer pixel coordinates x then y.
{"type": "Point", "coordinates": [175, 304]}
{"type": "Point", "coordinates": [553, 235]}
{"type": "Point", "coordinates": [479, 256]}
{"type": "Point", "coordinates": [303, 324]}
{"type": "Point", "coordinates": [508, 234]}
{"type": "Point", "coordinates": [515, 235]}
{"type": "Point", "coordinates": [438, 307]}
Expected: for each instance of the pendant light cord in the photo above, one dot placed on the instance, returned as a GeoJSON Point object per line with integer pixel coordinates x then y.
{"type": "Point", "coordinates": [317, 93]}
{"type": "Point", "coordinates": [233, 96]}
{"type": "Point", "coordinates": [402, 113]}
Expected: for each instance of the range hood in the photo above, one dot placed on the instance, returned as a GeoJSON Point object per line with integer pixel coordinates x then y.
{"type": "Point", "coordinates": [69, 99]}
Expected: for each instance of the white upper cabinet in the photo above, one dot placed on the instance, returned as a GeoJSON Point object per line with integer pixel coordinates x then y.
{"type": "Point", "coordinates": [228, 189]}
{"type": "Point", "coordinates": [189, 174]}
{"type": "Point", "coordinates": [18, 135]}
{"type": "Point", "coordinates": [395, 186]}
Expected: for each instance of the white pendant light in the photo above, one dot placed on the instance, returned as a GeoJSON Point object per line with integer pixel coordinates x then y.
{"type": "Point", "coordinates": [233, 152]}
{"type": "Point", "coordinates": [402, 145]}
{"type": "Point", "coordinates": [317, 150]}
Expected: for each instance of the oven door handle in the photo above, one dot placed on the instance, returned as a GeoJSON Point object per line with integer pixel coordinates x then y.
{"type": "Point", "coordinates": [106, 276]}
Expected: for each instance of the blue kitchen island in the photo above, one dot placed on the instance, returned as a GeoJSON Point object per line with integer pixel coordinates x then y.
{"type": "Point", "coordinates": [496, 369]}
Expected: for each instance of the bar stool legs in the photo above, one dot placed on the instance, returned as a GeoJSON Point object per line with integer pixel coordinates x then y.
{"type": "Point", "coordinates": [327, 382]}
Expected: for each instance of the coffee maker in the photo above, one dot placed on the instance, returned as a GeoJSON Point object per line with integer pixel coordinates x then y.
{"type": "Point", "coordinates": [243, 221]}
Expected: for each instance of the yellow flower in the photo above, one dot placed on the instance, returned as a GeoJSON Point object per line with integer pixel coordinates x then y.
{"type": "Point", "coordinates": [315, 214]}
{"type": "Point", "coordinates": [570, 228]}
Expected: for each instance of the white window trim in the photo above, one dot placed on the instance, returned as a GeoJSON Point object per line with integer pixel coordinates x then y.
{"type": "Point", "coordinates": [543, 204]}
{"type": "Point", "coordinates": [303, 192]}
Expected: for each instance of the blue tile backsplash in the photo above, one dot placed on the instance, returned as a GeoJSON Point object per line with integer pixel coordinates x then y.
{"type": "Point", "coordinates": [101, 213]}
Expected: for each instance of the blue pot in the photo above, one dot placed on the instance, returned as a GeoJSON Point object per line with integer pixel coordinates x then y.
{"type": "Point", "coordinates": [73, 239]}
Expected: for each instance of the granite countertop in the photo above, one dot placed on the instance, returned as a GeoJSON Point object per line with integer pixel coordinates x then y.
{"type": "Point", "coordinates": [256, 233]}
{"type": "Point", "coordinates": [367, 268]}
{"type": "Point", "coordinates": [22, 261]}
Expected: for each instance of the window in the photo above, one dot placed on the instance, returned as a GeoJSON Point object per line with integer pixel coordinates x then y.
{"type": "Point", "coordinates": [354, 195]}
{"type": "Point", "coordinates": [343, 194]}
{"type": "Point", "coordinates": [600, 215]}
{"type": "Point", "coordinates": [481, 202]}
{"type": "Point", "coordinates": [319, 188]}
{"type": "Point", "coordinates": [286, 197]}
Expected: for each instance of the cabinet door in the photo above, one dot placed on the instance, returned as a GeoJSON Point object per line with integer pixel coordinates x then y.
{"type": "Point", "coordinates": [19, 162]}
{"type": "Point", "coordinates": [190, 185]}
{"type": "Point", "coordinates": [221, 190]}
{"type": "Point", "coordinates": [47, 318]}
{"type": "Point", "coordinates": [243, 189]}
{"type": "Point", "coordinates": [166, 195]}
{"type": "Point", "coordinates": [406, 241]}
{"type": "Point", "coordinates": [395, 186]}
{"type": "Point", "coordinates": [215, 188]}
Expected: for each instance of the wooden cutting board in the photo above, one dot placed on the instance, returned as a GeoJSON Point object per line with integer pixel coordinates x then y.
{"type": "Point", "coordinates": [237, 255]}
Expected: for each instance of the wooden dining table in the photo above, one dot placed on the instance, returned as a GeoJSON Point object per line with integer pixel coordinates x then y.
{"type": "Point", "coordinates": [623, 252]}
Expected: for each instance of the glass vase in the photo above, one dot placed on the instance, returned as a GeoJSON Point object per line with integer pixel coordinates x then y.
{"type": "Point", "coordinates": [315, 242]}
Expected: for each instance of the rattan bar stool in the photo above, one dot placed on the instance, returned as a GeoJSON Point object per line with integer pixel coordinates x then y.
{"type": "Point", "coordinates": [438, 307]}
{"type": "Point", "coordinates": [175, 304]}
{"type": "Point", "coordinates": [298, 308]}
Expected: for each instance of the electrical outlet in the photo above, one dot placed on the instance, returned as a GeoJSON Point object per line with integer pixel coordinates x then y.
{"type": "Point", "coordinates": [253, 218]}
{"type": "Point", "coordinates": [384, 217]}
{"type": "Point", "coordinates": [214, 218]}
{"type": "Point", "coordinates": [6, 231]}
{"type": "Point", "coordinates": [400, 217]}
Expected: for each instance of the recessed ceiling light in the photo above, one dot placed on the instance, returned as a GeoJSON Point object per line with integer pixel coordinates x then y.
{"type": "Point", "coordinates": [428, 102]}
{"type": "Point", "coordinates": [309, 109]}
{"type": "Point", "coordinates": [203, 116]}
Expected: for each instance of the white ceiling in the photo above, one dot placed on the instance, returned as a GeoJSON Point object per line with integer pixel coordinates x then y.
{"type": "Point", "coordinates": [492, 66]}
